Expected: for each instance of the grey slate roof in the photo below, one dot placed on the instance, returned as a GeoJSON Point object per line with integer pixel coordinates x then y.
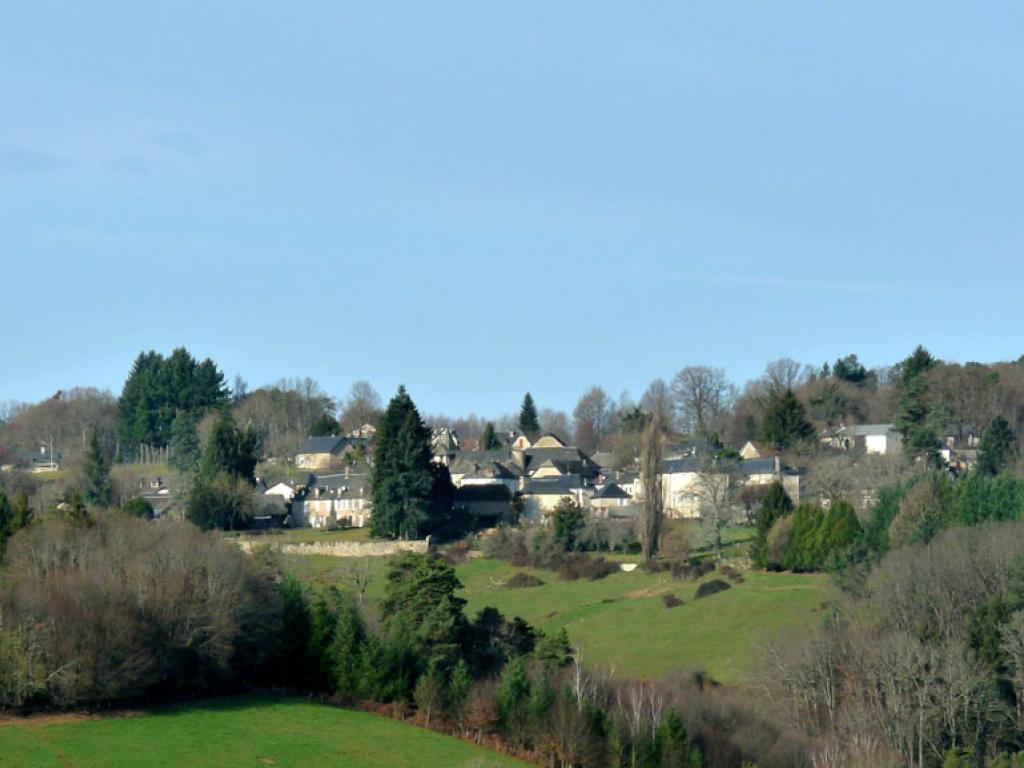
{"type": "Point", "coordinates": [553, 486]}
{"type": "Point", "coordinates": [611, 491]}
{"type": "Point", "coordinates": [331, 444]}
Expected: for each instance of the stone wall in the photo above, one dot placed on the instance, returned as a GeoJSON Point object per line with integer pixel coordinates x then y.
{"type": "Point", "coordinates": [339, 548]}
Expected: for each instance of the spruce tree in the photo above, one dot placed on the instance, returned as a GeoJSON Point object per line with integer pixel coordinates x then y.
{"type": "Point", "coordinates": [403, 478]}
{"type": "Point", "coordinates": [98, 487]}
{"type": "Point", "coordinates": [529, 424]}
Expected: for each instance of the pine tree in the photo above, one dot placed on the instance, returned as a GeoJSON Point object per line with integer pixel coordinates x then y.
{"type": "Point", "coordinates": [529, 424]}
{"type": "Point", "coordinates": [98, 487]}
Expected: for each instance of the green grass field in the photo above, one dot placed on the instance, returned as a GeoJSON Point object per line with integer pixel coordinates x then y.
{"type": "Point", "coordinates": [237, 732]}
{"type": "Point", "coordinates": [621, 620]}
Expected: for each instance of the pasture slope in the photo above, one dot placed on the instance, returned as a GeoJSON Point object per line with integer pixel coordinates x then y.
{"type": "Point", "coordinates": [621, 621]}
{"type": "Point", "coordinates": [228, 733]}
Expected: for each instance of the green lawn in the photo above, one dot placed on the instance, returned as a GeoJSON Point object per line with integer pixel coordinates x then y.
{"type": "Point", "coordinates": [237, 732]}
{"type": "Point", "coordinates": [621, 620]}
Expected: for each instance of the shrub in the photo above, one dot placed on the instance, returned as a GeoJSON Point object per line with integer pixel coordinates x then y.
{"type": "Point", "coordinates": [580, 566]}
{"type": "Point", "coordinates": [523, 580]}
{"type": "Point", "coordinates": [711, 587]}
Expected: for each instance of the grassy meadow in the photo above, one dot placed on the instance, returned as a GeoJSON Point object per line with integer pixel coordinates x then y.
{"type": "Point", "coordinates": [621, 620]}
{"type": "Point", "coordinates": [290, 733]}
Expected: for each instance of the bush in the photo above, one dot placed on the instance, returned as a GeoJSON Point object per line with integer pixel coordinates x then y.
{"type": "Point", "coordinates": [580, 566]}
{"type": "Point", "coordinates": [671, 601]}
{"type": "Point", "coordinates": [711, 588]}
{"type": "Point", "coordinates": [523, 580]}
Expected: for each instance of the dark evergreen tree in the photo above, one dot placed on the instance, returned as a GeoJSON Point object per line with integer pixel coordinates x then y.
{"type": "Point", "coordinates": [914, 418]}
{"type": "Point", "coordinates": [403, 477]}
{"type": "Point", "coordinates": [158, 389]}
{"type": "Point", "coordinates": [220, 501]}
{"type": "Point", "coordinates": [567, 522]}
{"type": "Point", "coordinates": [785, 421]}
{"type": "Point", "coordinates": [347, 651]}
{"type": "Point", "coordinates": [230, 450]}
{"type": "Point", "coordinates": [325, 426]}
{"type": "Point", "coordinates": [775, 505]}
{"type": "Point", "coordinates": [184, 445]}
{"type": "Point", "coordinates": [489, 441]}
{"type": "Point", "coordinates": [6, 520]}
{"type": "Point", "coordinates": [138, 507]}
{"type": "Point", "coordinates": [997, 446]}
{"type": "Point", "coordinates": [322, 623]}
{"type": "Point", "coordinates": [98, 487]}
{"type": "Point", "coordinates": [529, 424]}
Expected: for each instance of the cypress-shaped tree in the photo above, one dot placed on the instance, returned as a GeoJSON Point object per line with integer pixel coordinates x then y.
{"type": "Point", "coordinates": [98, 487]}
{"type": "Point", "coordinates": [775, 504]}
{"type": "Point", "coordinates": [529, 424]}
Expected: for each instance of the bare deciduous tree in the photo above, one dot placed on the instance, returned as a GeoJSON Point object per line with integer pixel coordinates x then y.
{"type": "Point", "coordinates": [703, 395]}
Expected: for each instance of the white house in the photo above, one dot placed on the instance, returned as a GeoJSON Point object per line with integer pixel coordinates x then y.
{"type": "Point", "coordinates": [872, 438]}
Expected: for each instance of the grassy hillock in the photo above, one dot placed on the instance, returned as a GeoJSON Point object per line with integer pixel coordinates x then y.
{"type": "Point", "coordinates": [289, 733]}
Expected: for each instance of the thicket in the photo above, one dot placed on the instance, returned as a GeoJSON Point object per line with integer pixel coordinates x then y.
{"type": "Point", "coordinates": [540, 548]}
{"type": "Point", "coordinates": [808, 538]}
{"type": "Point", "coordinates": [116, 609]}
{"type": "Point", "coordinates": [926, 665]}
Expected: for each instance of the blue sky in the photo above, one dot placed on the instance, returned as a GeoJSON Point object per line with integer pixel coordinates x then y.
{"type": "Point", "coordinates": [477, 199]}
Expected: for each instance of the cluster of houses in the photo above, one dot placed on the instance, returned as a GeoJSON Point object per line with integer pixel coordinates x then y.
{"type": "Point", "coordinates": [521, 478]}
